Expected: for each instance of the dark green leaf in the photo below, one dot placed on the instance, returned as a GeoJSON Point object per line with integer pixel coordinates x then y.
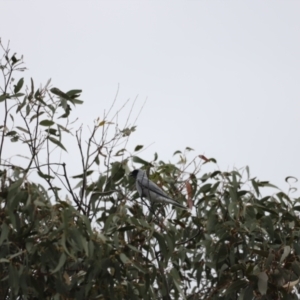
{"type": "Point", "coordinates": [120, 152]}
{"type": "Point", "coordinates": [61, 262]}
{"type": "Point", "coordinates": [267, 223]}
{"type": "Point", "coordinates": [35, 116]}
{"type": "Point", "coordinates": [124, 258]}
{"type": "Point", "coordinates": [205, 188]}
{"type": "Point", "coordinates": [255, 186]}
{"type": "Point", "coordinates": [248, 293]}
{"type": "Point", "coordinates": [177, 152]}
{"type": "Point", "coordinates": [236, 286]}
{"type": "Point", "coordinates": [136, 159]}
{"type": "Point", "coordinates": [262, 282]}
{"type": "Point", "coordinates": [16, 95]}
{"type": "Point", "coordinates": [138, 147]}
{"type": "Point", "coordinates": [287, 179]}
{"type": "Point", "coordinates": [13, 279]}
{"type": "Point", "coordinates": [87, 173]}
{"type": "Point", "coordinates": [189, 149]}
{"type": "Point", "coordinates": [19, 85]}
{"type": "Point", "coordinates": [161, 242]}
{"type": "Point", "coordinates": [4, 233]}
{"type": "Point", "coordinates": [22, 129]}
{"type": "Point", "coordinates": [51, 131]}
{"type": "Point", "coordinates": [45, 176]}
{"type": "Point", "coordinates": [59, 93]}
{"type": "Point", "coordinates": [11, 133]}
{"type": "Point", "coordinates": [47, 123]}
{"type": "Point", "coordinates": [76, 101]}
{"type": "Point", "coordinates": [28, 109]}
{"type": "Point", "coordinates": [74, 93]}
{"type": "Point", "coordinates": [3, 97]}
{"type": "Point", "coordinates": [56, 142]}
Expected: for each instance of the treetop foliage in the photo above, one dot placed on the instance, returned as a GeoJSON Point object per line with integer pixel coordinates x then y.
{"type": "Point", "coordinates": [89, 236]}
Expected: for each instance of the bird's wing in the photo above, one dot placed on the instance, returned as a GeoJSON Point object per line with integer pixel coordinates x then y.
{"type": "Point", "coordinates": [139, 188]}
{"type": "Point", "coordinates": [146, 183]}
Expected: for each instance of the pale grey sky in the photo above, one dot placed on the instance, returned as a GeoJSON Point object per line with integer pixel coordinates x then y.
{"type": "Point", "coordinates": [221, 77]}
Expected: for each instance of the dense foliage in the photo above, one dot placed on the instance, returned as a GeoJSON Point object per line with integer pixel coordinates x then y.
{"type": "Point", "coordinates": [100, 241]}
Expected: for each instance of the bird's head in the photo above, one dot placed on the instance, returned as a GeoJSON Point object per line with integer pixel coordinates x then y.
{"type": "Point", "coordinates": [134, 173]}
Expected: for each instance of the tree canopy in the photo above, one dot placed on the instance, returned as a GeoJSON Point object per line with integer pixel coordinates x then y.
{"type": "Point", "coordinates": [89, 236]}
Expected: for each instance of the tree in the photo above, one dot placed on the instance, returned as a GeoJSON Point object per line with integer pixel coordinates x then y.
{"type": "Point", "coordinates": [101, 242]}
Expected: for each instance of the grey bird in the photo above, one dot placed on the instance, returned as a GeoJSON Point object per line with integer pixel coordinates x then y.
{"type": "Point", "coordinates": [147, 188]}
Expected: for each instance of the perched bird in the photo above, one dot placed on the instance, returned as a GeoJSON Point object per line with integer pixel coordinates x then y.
{"type": "Point", "coordinates": [147, 188]}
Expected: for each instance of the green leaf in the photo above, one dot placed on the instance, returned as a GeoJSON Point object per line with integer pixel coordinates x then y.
{"type": "Point", "coordinates": [45, 176]}
{"type": "Point", "coordinates": [296, 267]}
{"type": "Point", "coordinates": [126, 228]}
{"type": "Point", "coordinates": [161, 242]}
{"type": "Point", "coordinates": [19, 85]}
{"type": "Point", "coordinates": [20, 106]}
{"type": "Point", "coordinates": [11, 133]}
{"type": "Point", "coordinates": [176, 279]}
{"type": "Point", "coordinates": [255, 186]}
{"type": "Point", "coordinates": [63, 128]}
{"type": "Point", "coordinates": [212, 220]}
{"type": "Point", "coordinates": [61, 262]}
{"type": "Point", "coordinates": [16, 95]}
{"type": "Point", "coordinates": [87, 173]}
{"type": "Point", "coordinates": [286, 252]}
{"type": "Point", "coordinates": [236, 286]}
{"type": "Point", "coordinates": [3, 97]}
{"type": "Point", "coordinates": [28, 109]}
{"type": "Point", "coordinates": [74, 93]}
{"type": "Point", "coordinates": [76, 101]}
{"type": "Point", "coordinates": [262, 282]}
{"type": "Point", "coordinates": [205, 188]}
{"type": "Point", "coordinates": [47, 123]}
{"type": "Point", "coordinates": [267, 224]}
{"type": "Point", "coordinates": [233, 195]}
{"type": "Point", "coordinates": [35, 116]}
{"type": "Point", "coordinates": [14, 139]}
{"type": "Point", "coordinates": [138, 160]}
{"type": "Point", "coordinates": [128, 131]}
{"type": "Point", "coordinates": [120, 152]}
{"type": "Point", "coordinates": [177, 152]}
{"type": "Point", "coordinates": [138, 147]}
{"type": "Point", "coordinates": [248, 293]}
{"type": "Point", "coordinates": [124, 258]}
{"type": "Point", "coordinates": [296, 208]}
{"type": "Point", "coordinates": [189, 149]}
{"type": "Point", "coordinates": [13, 279]}
{"type": "Point", "coordinates": [233, 210]}
{"type": "Point", "coordinates": [287, 179]}
{"type": "Point", "coordinates": [59, 93]}
{"type": "Point", "coordinates": [4, 233]}
{"type": "Point", "coordinates": [248, 172]}
{"type": "Point", "coordinates": [22, 129]}
{"type": "Point", "coordinates": [52, 131]}
{"type": "Point", "coordinates": [56, 142]}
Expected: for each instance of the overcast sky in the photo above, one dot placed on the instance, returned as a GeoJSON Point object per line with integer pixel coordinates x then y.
{"type": "Point", "coordinates": [221, 77]}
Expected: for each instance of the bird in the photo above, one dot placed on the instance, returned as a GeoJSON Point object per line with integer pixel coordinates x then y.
{"type": "Point", "coordinates": [147, 188]}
